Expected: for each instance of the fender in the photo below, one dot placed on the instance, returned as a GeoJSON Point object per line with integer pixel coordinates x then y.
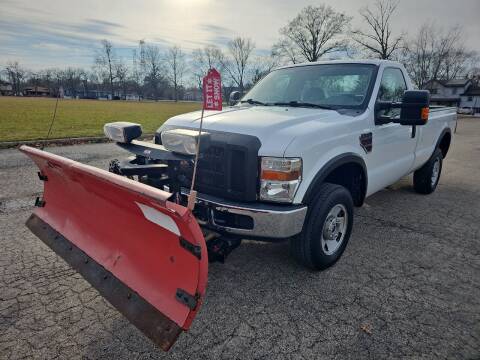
{"type": "Point", "coordinates": [445, 131]}
{"type": "Point", "coordinates": [330, 166]}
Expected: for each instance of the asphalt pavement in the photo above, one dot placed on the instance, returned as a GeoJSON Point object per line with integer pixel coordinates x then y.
{"type": "Point", "coordinates": [407, 286]}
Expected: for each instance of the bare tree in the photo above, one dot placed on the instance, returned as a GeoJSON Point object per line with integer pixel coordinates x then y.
{"type": "Point", "coordinates": [83, 77]}
{"type": "Point", "coordinates": [210, 57]}
{"type": "Point", "coordinates": [436, 54]}
{"type": "Point", "coordinates": [152, 64]}
{"type": "Point", "coordinates": [473, 69]}
{"type": "Point", "coordinates": [378, 39]}
{"type": "Point", "coordinates": [314, 32]}
{"type": "Point", "coordinates": [47, 77]}
{"type": "Point", "coordinates": [262, 65]}
{"type": "Point", "coordinates": [16, 74]}
{"type": "Point", "coordinates": [176, 65]}
{"type": "Point", "coordinates": [286, 52]}
{"type": "Point", "coordinates": [71, 79]}
{"type": "Point", "coordinates": [138, 67]}
{"type": "Point", "coordinates": [106, 59]}
{"type": "Point", "coordinates": [458, 63]}
{"type": "Point", "coordinates": [121, 73]}
{"type": "Point", "coordinates": [240, 50]}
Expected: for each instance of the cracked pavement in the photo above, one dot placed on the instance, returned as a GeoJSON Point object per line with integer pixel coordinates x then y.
{"type": "Point", "coordinates": [407, 286]}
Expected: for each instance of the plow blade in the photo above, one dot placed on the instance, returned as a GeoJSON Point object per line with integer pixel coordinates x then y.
{"type": "Point", "coordinates": [146, 255]}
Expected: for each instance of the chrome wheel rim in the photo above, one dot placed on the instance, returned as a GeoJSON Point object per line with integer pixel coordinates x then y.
{"type": "Point", "coordinates": [435, 171]}
{"type": "Point", "coordinates": [334, 229]}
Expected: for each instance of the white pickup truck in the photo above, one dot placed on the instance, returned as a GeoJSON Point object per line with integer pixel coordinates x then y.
{"type": "Point", "coordinates": [291, 160]}
{"type": "Point", "coordinates": [301, 149]}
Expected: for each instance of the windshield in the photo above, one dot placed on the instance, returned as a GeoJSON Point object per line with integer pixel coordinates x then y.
{"type": "Point", "coordinates": [329, 85]}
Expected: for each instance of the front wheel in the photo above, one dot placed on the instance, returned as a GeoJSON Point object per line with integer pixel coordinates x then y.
{"type": "Point", "coordinates": [425, 179]}
{"type": "Point", "coordinates": [326, 230]}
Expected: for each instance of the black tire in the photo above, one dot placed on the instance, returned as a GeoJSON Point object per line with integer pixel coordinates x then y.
{"type": "Point", "coordinates": [114, 167]}
{"type": "Point", "coordinates": [425, 180]}
{"type": "Point", "coordinates": [307, 247]}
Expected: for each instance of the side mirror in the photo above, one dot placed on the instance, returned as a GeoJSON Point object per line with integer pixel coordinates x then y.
{"type": "Point", "coordinates": [414, 108]}
{"type": "Point", "coordinates": [234, 97]}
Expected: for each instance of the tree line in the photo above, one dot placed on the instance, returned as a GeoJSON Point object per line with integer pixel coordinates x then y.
{"type": "Point", "coordinates": [315, 33]}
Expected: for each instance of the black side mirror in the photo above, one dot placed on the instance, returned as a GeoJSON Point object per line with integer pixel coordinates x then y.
{"type": "Point", "coordinates": [414, 108]}
{"type": "Point", "coordinates": [234, 97]}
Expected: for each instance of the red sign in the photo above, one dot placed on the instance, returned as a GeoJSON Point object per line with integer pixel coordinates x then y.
{"type": "Point", "coordinates": [212, 91]}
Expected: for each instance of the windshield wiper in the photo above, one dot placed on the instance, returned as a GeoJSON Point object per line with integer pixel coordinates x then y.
{"type": "Point", "coordinates": [254, 102]}
{"type": "Point", "coordinates": [303, 104]}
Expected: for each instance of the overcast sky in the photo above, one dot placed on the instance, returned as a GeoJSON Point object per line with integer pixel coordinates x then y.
{"type": "Point", "coordinates": [49, 33]}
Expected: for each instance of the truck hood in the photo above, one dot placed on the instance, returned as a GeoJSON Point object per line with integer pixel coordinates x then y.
{"type": "Point", "coordinates": [274, 126]}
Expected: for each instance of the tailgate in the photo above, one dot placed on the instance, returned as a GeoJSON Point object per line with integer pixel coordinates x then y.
{"type": "Point", "coordinates": [143, 253]}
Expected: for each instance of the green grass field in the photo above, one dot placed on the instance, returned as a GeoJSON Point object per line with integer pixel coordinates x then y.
{"type": "Point", "coordinates": [29, 118]}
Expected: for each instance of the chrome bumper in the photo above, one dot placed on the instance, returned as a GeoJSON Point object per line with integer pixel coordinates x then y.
{"type": "Point", "coordinates": [268, 221]}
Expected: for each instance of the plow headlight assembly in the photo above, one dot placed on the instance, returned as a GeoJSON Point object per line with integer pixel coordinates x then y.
{"type": "Point", "coordinates": [122, 131]}
{"type": "Point", "coordinates": [280, 178]}
{"type": "Point", "coordinates": [182, 141]}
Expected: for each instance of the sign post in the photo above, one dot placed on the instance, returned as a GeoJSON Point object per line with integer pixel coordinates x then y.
{"type": "Point", "coordinates": [212, 100]}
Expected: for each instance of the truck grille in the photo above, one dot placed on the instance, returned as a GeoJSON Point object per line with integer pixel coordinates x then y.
{"type": "Point", "coordinates": [223, 171]}
{"type": "Point", "coordinates": [228, 167]}
{"type": "Point", "coordinates": [212, 168]}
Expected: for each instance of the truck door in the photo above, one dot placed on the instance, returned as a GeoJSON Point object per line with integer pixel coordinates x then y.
{"type": "Point", "coordinates": [393, 150]}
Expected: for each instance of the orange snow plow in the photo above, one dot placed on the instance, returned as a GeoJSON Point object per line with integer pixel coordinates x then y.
{"type": "Point", "coordinates": [145, 254]}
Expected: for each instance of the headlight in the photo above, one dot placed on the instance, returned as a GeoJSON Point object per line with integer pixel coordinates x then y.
{"type": "Point", "coordinates": [280, 178]}
{"type": "Point", "coordinates": [123, 132]}
{"type": "Point", "coordinates": [182, 141]}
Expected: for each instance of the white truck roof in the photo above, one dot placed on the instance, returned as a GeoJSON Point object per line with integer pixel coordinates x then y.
{"type": "Point", "coordinates": [365, 61]}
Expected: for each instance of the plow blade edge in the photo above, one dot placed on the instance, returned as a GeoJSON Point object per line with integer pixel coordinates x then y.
{"type": "Point", "coordinates": [144, 254]}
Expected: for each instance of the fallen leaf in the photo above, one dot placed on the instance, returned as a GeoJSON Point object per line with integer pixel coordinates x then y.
{"type": "Point", "coordinates": [366, 328]}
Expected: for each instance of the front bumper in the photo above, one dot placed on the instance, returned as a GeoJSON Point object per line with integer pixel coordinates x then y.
{"type": "Point", "coordinates": [244, 219]}
{"type": "Point", "coordinates": [251, 220]}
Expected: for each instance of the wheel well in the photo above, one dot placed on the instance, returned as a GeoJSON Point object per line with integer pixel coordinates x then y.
{"type": "Point", "coordinates": [350, 175]}
{"type": "Point", "coordinates": [444, 144]}
{"type": "Point", "coordinates": [348, 170]}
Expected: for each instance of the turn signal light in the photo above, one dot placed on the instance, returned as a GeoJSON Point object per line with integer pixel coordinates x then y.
{"type": "Point", "coordinates": [279, 175]}
{"type": "Point", "coordinates": [424, 114]}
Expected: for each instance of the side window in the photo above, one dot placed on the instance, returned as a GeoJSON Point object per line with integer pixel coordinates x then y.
{"type": "Point", "coordinates": [391, 89]}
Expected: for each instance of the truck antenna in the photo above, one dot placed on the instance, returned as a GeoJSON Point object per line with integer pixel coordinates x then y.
{"type": "Point", "coordinates": [193, 194]}
{"type": "Point", "coordinates": [53, 120]}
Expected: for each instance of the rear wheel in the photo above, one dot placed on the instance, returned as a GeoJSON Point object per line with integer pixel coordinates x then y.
{"type": "Point", "coordinates": [425, 179]}
{"type": "Point", "coordinates": [327, 228]}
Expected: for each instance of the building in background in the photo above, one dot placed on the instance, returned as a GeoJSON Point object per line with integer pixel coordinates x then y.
{"type": "Point", "coordinates": [447, 93]}
{"type": "Point", "coordinates": [471, 98]}
{"type": "Point", "coordinates": [6, 88]}
{"type": "Point", "coordinates": [36, 91]}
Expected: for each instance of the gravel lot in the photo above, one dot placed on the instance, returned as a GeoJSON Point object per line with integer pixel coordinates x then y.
{"type": "Point", "coordinates": [408, 285]}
